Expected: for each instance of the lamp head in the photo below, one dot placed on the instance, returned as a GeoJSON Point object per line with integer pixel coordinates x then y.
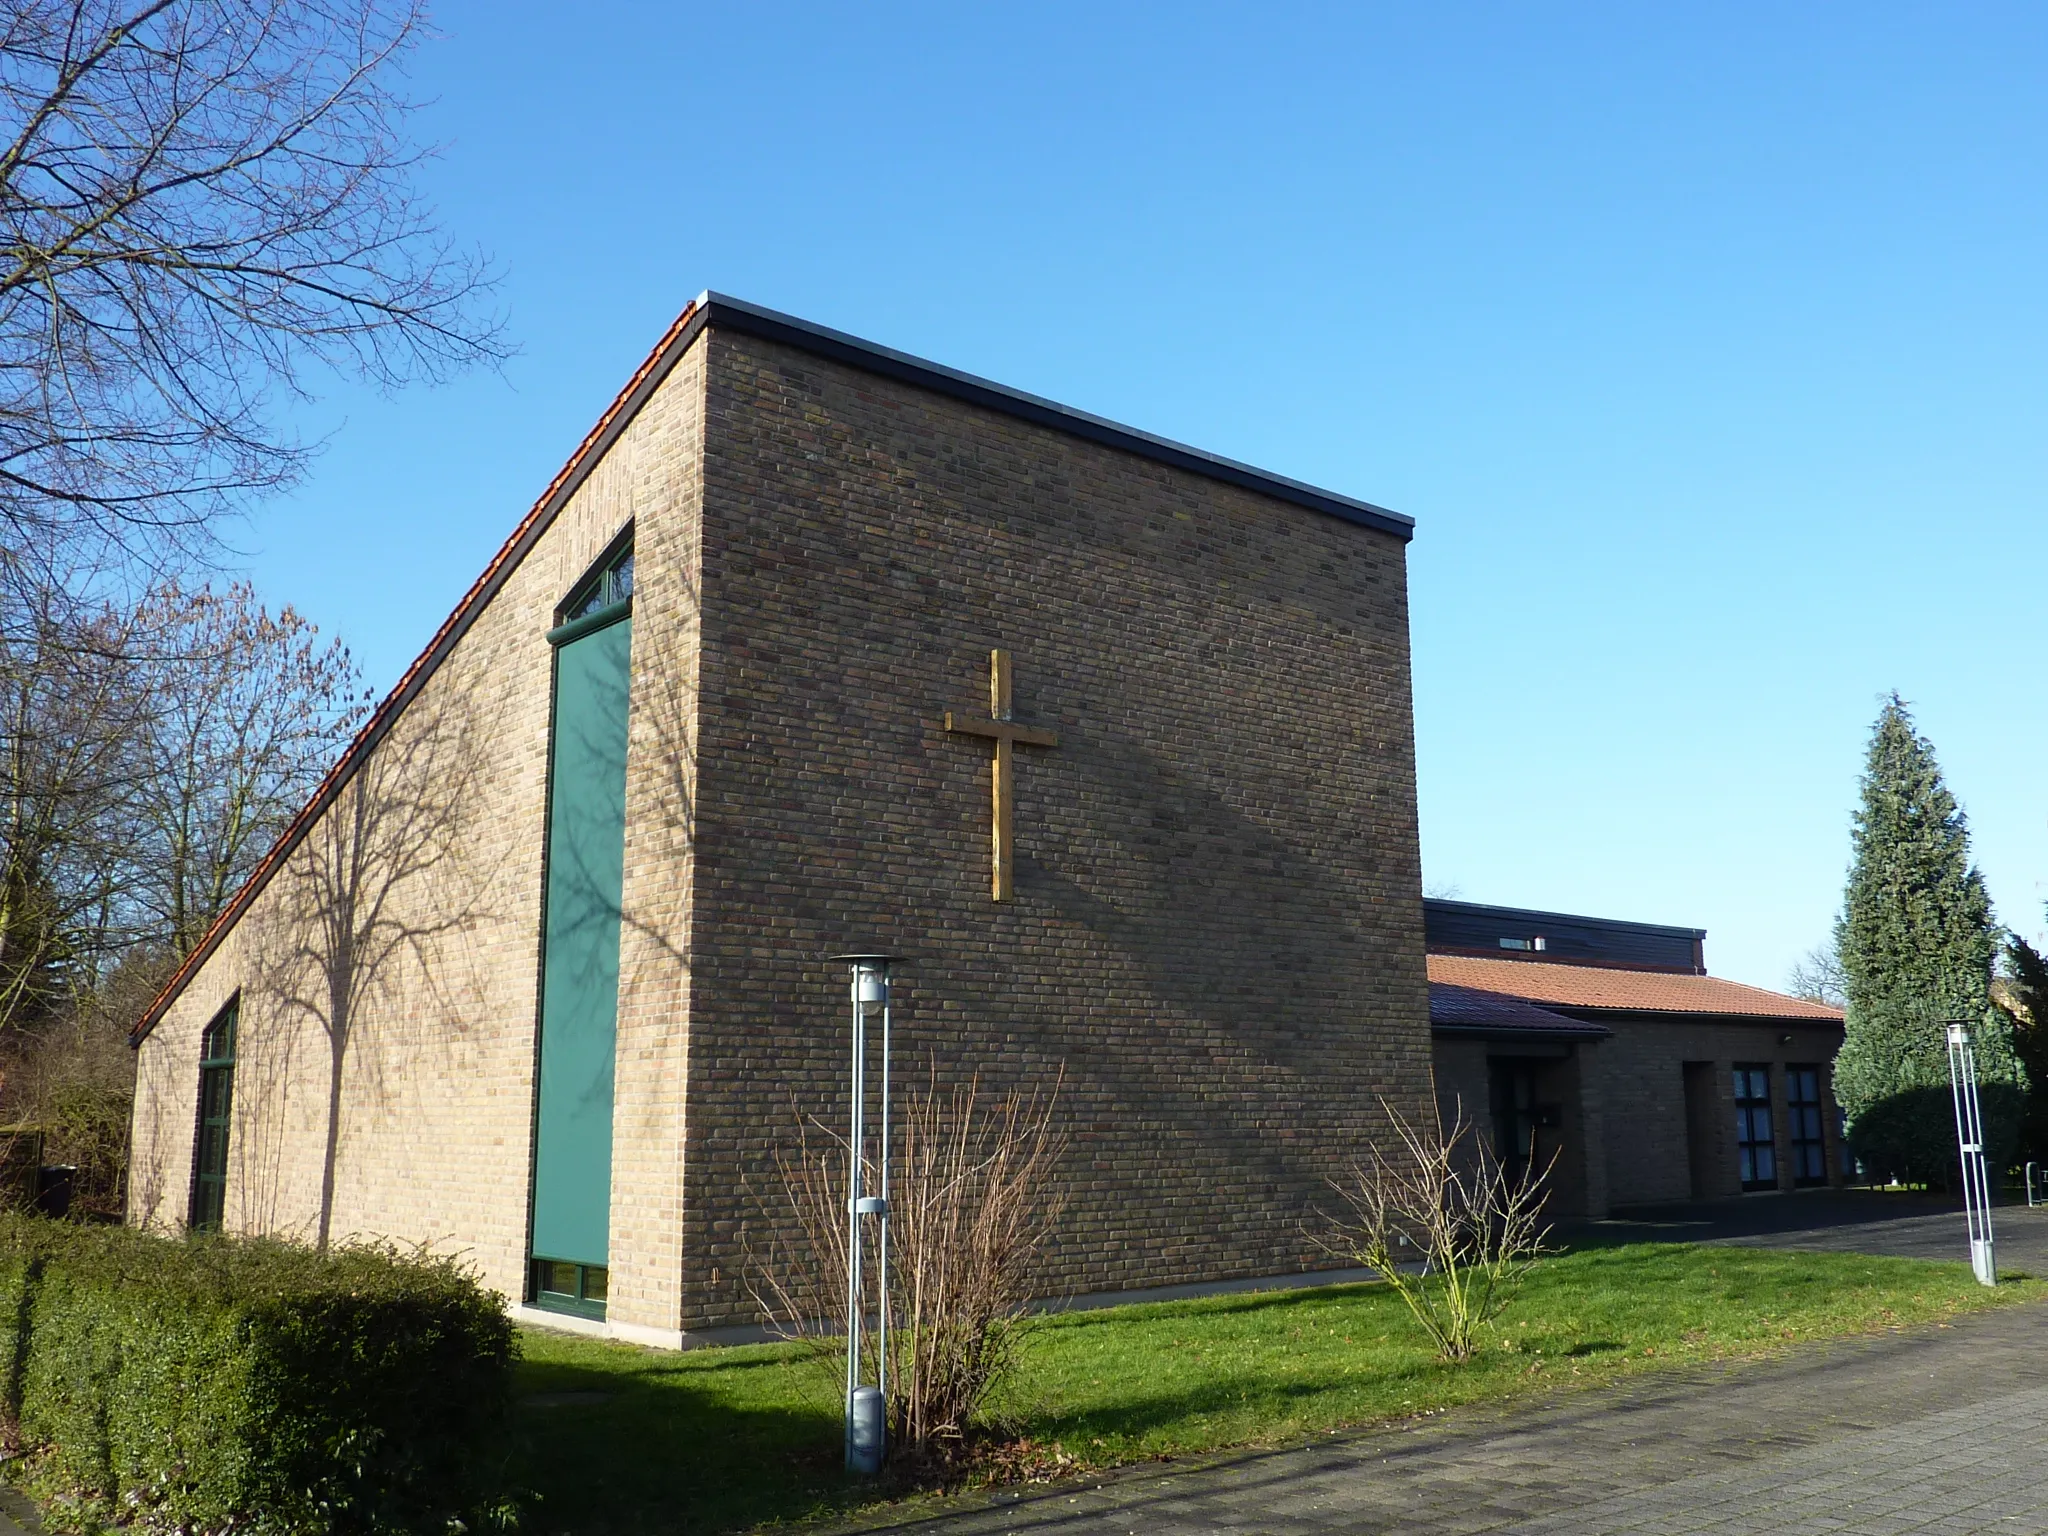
{"type": "Point", "coordinates": [870, 979]}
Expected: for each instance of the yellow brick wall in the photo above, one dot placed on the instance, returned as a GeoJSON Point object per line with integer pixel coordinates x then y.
{"type": "Point", "coordinates": [1217, 930]}
{"type": "Point", "coordinates": [431, 862]}
{"type": "Point", "coordinates": [1217, 935]}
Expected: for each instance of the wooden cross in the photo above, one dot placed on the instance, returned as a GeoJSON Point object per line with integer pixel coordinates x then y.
{"type": "Point", "coordinates": [1006, 734]}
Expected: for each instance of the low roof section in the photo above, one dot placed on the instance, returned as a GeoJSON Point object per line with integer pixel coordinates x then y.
{"type": "Point", "coordinates": [1455, 1010]}
{"type": "Point", "coordinates": [1591, 990]}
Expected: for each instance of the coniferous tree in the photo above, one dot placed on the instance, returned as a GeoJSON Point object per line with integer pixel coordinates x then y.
{"type": "Point", "coordinates": [2026, 1003]}
{"type": "Point", "coordinates": [1917, 944]}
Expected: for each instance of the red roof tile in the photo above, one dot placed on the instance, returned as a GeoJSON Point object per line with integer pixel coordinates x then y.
{"type": "Point", "coordinates": [1607, 987]}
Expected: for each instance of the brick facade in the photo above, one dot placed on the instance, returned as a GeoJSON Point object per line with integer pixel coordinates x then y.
{"type": "Point", "coordinates": [1215, 945]}
{"type": "Point", "coordinates": [1649, 1113]}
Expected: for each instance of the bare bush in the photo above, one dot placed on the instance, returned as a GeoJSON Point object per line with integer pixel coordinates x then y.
{"type": "Point", "coordinates": [1444, 1199]}
{"type": "Point", "coordinates": [971, 1204]}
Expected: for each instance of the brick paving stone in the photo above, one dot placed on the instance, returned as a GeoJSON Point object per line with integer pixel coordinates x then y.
{"type": "Point", "coordinates": [1917, 1433]}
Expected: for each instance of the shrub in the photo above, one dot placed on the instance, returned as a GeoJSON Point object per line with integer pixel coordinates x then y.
{"type": "Point", "coordinates": [1444, 1199]}
{"type": "Point", "coordinates": [973, 1203]}
{"type": "Point", "coordinates": [218, 1384]}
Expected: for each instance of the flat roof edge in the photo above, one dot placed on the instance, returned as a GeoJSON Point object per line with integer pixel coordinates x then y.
{"type": "Point", "coordinates": [716, 309]}
{"type": "Point", "coordinates": [1666, 929]}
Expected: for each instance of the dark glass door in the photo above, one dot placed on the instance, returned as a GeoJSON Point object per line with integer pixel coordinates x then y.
{"type": "Point", "coordinates": [1516, 1115]}
{"type": "Point", "coordinates": [1754, 1143]}
{"type": "Point", "coordinates": [1802, 1102]}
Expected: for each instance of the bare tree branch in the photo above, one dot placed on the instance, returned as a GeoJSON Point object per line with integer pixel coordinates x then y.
{"type": "Point", "coordinates": [198, 201]}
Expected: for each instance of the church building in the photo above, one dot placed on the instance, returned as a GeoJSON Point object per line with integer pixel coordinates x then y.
{"type": "Point", "coordinates": [815, 647]}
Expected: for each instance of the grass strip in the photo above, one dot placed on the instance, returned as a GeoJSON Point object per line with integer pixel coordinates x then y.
{"type": "Point", "coordinates": [618, 1440]}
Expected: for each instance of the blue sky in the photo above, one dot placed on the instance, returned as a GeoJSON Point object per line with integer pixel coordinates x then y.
{"type": "Point", "coordinates": [1705, 344]}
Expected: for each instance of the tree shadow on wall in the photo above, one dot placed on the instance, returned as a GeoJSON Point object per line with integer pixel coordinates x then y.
{"type": "Point", "coordinates": [368, 921]}
{"type": "Point", "coordinates": [1242, 933]}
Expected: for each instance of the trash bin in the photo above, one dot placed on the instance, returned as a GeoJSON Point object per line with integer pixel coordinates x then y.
{"type": "Point", "coordinates": [53, 1189]}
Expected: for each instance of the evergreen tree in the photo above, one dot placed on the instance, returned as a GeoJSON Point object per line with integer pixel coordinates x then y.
{"type": "Point", "coordinates": [2026, 1002]}
{"type": "Point", "coordinates": [1917, 944]}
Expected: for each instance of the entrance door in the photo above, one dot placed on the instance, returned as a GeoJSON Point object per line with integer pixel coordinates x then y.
{"type": "Point", "coordinates": [1754, 1143]}
{"type": "Point", "coordinates": [1516, 1114]}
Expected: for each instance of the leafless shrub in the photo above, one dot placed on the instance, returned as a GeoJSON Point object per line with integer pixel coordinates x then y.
{"type": "Point", "coordinates": [1442, 1198]}
{"type": "Point", "coordinates": [971, 1203]}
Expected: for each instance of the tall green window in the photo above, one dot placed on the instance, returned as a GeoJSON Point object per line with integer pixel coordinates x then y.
{"type": "Point", "coordinates": [586, 857]}
{"type": "Point", "coordinates": [216, 1109]}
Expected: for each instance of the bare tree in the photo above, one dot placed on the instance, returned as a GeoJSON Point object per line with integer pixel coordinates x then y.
{"type": "Point", "coordinates": [1818, 977]}
{"type": "Point", "coordinates": [74, 1080]}
{"type": "Point", "coordinates": [198, 200]}
{"type": "Point", "coordinates": [247, 711]}
{"type": "Point", "coordinates": [1442, 1223]}
{"type": "Point", "coordinates": [148, 758]}
{"type": "Point", "coordinates": [70, 715]}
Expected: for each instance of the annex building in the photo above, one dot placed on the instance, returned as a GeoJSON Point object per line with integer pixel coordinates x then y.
{"type": "Point", "coordinates": [539, 976]}
{"type": "Point", "coordinates": [1607, 1045]}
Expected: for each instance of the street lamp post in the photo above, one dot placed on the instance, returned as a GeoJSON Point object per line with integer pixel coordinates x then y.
{"type": "Point", "coordinates": [1962, 1078]}
{"type": "Point", "coordinates": [867, 1208]}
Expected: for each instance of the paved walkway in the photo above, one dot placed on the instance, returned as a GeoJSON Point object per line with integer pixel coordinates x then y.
{"type": "Point", "coordinates": [1936, 1430]}
{"type": "Point", "coordinates": [1847, 1221]}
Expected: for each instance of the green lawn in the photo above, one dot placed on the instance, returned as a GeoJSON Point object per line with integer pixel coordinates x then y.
{"type": "Point", "coordinates": [619, 1439]}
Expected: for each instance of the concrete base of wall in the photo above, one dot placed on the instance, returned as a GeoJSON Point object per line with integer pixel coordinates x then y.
{"type": "Point", "coordinates": [625, 1333]}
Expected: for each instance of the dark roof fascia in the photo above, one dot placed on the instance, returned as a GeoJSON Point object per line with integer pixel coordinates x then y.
{"type": "Point", "coordinates": [1590, 1012]}
{"type": "Point", "coordinates": [718, 309]}
{"type": "Point", "coordinates": [1662, 930]}
{"type": "Point", "coordinates": [1510, 1032]}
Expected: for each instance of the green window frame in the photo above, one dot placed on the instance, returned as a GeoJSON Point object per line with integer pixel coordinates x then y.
{"type": "Point", "coordinates": [562, 1286]}
{"type": "Point", "coordinates": [215, 1119]}
{"type": "Point", "coordinates": [606, 585]}
{"type": "Point", "coordinates": [582, 882]}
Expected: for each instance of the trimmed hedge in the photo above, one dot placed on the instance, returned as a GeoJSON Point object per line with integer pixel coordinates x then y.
{"type": "Point", "coordinates": [208, 1385]}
